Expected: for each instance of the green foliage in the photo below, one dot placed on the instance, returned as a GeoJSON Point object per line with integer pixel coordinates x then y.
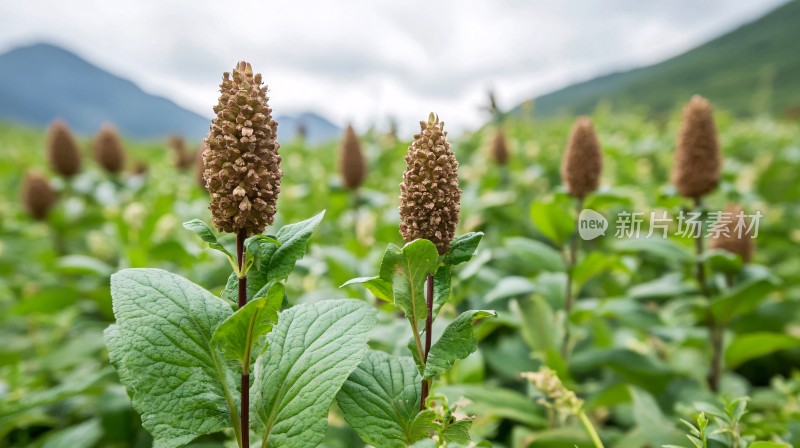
{"type": "Point", "coordinates": [309, 355]}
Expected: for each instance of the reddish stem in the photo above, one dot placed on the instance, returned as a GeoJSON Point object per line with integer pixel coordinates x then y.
{"type": "Point", "coordinates": [426, 384]}
{"type": "Point", "coordinates": [245, 396]}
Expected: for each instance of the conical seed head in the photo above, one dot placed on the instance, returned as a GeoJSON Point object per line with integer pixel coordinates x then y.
{"type": "Point", "coordinates": [242, 165]}
{"type": "Point", "coordinates": [62, 150]}
{"type": "Point", "coordinates": [38, 196]}
{"type": "Point", "coordinates": [583, 162]}
{"type": "Point", "coordinates": [430, 196]}
{"type": "Point", "coordinates": [352, 165]}
{"type": "Point", "coordinates": [500, 148]}
{"type": "Point", "coordinates": [108, 150]}
{"type": "Point", "coordinates": [697, 158]}
{"type": "Point", "coordinates": [140, 168]}
{"type": "Point", "coordinates": [729, 239]}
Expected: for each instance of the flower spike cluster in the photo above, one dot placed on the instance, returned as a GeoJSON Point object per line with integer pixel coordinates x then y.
{"type": "Point", "coordinates": [583, 161]}
{"type": "Point", "coordinates": [697, 159]}
{"type": "Point", "coordinates": [430, 196]}
{"type": "Point", "coordinates": [242, 164]}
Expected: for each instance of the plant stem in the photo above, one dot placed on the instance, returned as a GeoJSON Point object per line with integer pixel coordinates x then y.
{"type": "Point", "coordinates": [568, 300]}
{"type": "Point", "coordinates": [714, 332]}
{"type": "Point", "coordinates": [426, 384]}
{"type": "Point", "coordinates": [245, 397]}
{"type": "Point", "coordinates": [587, 424]}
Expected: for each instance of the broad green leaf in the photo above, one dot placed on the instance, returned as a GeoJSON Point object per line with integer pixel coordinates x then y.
{"type": "Point", "coordinates": [462, 248]}
{"type": "Point", "coordinates": [418, 259]}
{"type": "Point", "coordinates": [540, 332]}
{"type": "Point", "coordinates": [442, 282]}
{"type": "Point", "coordinates": [273, 262]}
{"type": "Point", "coordinates": [647, 372]}
{"type": "Point", "coordinates": [768, 445]}
{"type": "Point", "coordinates": [554, 220]}
{"type": "Point", "coordinates": [536, 256]}
{"type": "Point", "coordinates": [205, 233]}
{"type": "Point", "coordinates": [742, 299]}
{"type": "Point", "coordinates": [509, 287]}
{"type": "Point", "coordinates": [161, 345]}
{"type": "Point", "coordinates": [750, 346]}
{"type": "Point", "coordinates": [593, 264]}
{"type": "Point", "coordinates": [457, 432]}
{"type": "Point", "coordinates": [379, 287]}
{"type": "Point", "coordinates": [309, 355]}
{"type": "Point", "coordinates": [457, 342]}
{"type": "Point", "coordinates": [380, 399]}
{"type": "Point", "coordinates": [391, 259]}
{"type": "Point", "coordinates": [83, 265]}
{"type": "Point", "coordinates": [293, 239]}
{"type": "Point", "coordinates": [236, 336]}
{"type": "Point", "coordinates": [719, 260]}
{"type": "Point", "coordinates": [424, 425]}
{"type": "Point", "coordinates": [662, 249]}
{"type": "Point", "coordinates": [83, 435]}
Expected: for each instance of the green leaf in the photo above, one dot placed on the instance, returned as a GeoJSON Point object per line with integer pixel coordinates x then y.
{"type": "Point", "coordinates": [554, 220]}
{"type": "Point", "coordinates": [380, 400]}
{"type": "Point", "coordinates": [768, 445]}
{"type": "Point", "coordinates": [309, 355]}
{"type": "Point", "coordinates": [273, 262]}
{"type": "Point", "coordinates": [742, 299]}
{"type": "Point", "coordinates": [535, 255]}
{"type": "Point", "coordinates": [509, 287]}
{"type": "Point", "coordinates": [750, 346]}
{"type": "Point", "coordinates": [457, 432]}
{"type": "Point", "coordinates": [457, 342]}
{"type": "Point", "coordinates": [418, 259]}
{"type": "Point", "coordinates": [236, 336]}
{"type": "Point", "coordinates": [293, 239]}
{"type": "Point", "coordinates": [424, 425]}
{"type": "Point", "coordinates": [379, 287]}
{"type": "Point", "coordinates": [462, 248]}
{"type": "Point", "coordinates": [161, 345]}
{"type": "Point", "coordinates": [391, 259]}
{"type": "Point", "coordinates": [83, 435]}
{"type": "Point", "coordinates": [441, 287]}
{"type": "Point", "coordinates": [205, 233]}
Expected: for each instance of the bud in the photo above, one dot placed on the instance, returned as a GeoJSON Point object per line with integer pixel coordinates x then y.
{"type": "Point", "coordinates": [430, 195]}
{"type": "Point", "coordinates": [731, 242]}
{"type": "Point", "coordinates": [108, 150]}
{"type": "Point", "coordinates": [697, 158]}
{"type": "Point", "coordinates": [583, 161]}
{"type": "Point", "coordinates": [37, 195]}
{"type": "Point", "coordinates": [62, 150]}
{"type": "Point", "coordinates": [352, 165]}
{"type": "Point", "coordinates": [242, 164]}
{"type": "Point", "coordinates": [500, 148]}
{"type": "Point", "coordinates": [183, 158]}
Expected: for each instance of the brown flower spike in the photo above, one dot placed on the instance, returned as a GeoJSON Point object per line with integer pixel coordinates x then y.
{"type": "Point", "coordinates": [62, 150]}
{"type": "Point", "coordinates": [37, 195]}
{"type": "Point", "coordinates": [697, 158]}
{"type": "Point", "coordinates": [430, 195]}
{"type": "Point", "coordinates": [242, 164]}
{"type": "Point", "coordinates": [500, 148]}
{"type": "Point", "coordinates": [731, 242]}
{"type": "Point", "coordinates": [352, 165]}
{"type": "Point", "coordinates": [183, 158]}
{"type": "Point", "coordinates": [583, 161]}
{"type": "Point", "coordinates": [108, 150]}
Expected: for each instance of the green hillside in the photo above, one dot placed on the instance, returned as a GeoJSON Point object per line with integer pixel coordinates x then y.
{"type": "Point", "coordinates": [754, 68]}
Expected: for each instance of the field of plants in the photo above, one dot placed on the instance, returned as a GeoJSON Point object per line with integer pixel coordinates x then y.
{"type": "Point", "coordinates": [608, 342]}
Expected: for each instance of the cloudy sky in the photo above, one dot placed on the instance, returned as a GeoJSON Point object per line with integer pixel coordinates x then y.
{"type": "Point", "coordinates": [363, 60]}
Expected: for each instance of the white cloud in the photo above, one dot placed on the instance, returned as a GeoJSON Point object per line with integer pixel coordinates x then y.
{"type": "Point", "coordinates": [363, 60]}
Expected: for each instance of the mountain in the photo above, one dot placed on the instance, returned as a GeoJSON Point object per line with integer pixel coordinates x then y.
{"type": "Point", "coordinates": [41, 82]}
{"type": "Point", "coordinates": [751, 69]}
